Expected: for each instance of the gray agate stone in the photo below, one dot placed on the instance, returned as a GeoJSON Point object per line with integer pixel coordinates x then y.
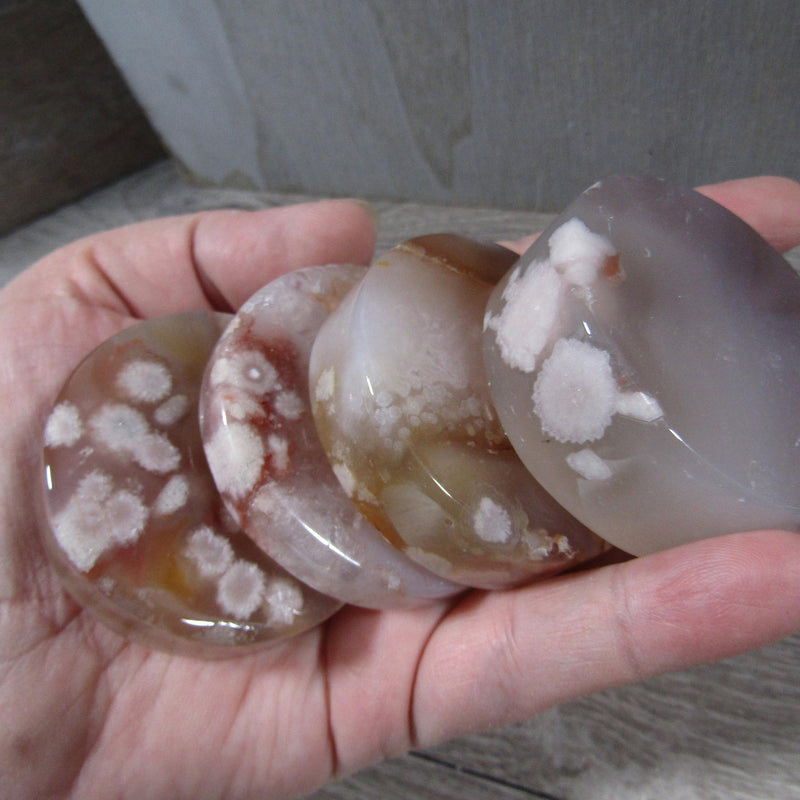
{"type": "Point", "coordinates": [644, 360]}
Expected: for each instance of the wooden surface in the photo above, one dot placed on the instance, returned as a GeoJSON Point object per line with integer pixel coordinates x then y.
{"type": "Point", "coordinates": [728, 731]}
{"type": "Point", "coordinates": [68, 123]}
{"type": "Point", "coordinates": [509, 103]}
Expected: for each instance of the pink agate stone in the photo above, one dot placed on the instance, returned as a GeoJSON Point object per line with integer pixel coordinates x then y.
{"type": "Point", "coordinates": [401, 402]}
{"type": "Point", "coordinates": [135, 525]}
{"type": "Point", "coordinates": [267, 460]}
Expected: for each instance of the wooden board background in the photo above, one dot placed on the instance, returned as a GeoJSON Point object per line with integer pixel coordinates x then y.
{"type": "Point", "coordinates": [506, 103]}
{"type": "Point", "coordinates": [68, 122]}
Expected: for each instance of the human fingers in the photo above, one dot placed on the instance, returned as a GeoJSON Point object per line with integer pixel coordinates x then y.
{"type": "Point", "coordinates": [520, 245]}
{"type": "Point", "coordinates": [64, 306]}
{"type": "Point", "coordinates": [499, 658]}
{"type": "Point", "coordinates": [767, 203]}
{"type": "Point", "coordinates": [210, 259]}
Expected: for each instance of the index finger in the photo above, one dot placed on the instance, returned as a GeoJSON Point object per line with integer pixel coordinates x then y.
{"type": "Point", "coordinates": [769, 204]}
{"type": "Point", "coordinates": [213, 259]}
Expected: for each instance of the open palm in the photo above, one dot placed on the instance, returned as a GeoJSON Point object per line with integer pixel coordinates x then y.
{"type": "Point", "coordinates": [89, 714]}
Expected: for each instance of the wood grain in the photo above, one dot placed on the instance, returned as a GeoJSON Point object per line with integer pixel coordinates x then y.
{"type": "Point", "coordinates": [513, 103]}
{"type": "Point", "coordinates": [68, 123]}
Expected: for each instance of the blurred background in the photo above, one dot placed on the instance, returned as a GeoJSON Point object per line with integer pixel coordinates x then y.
{"type": "Point", "coordinates": [504, 103]}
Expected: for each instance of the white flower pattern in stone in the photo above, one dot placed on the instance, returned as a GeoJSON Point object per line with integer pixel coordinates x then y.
{"type": "Point", "coordinates": [96, 518]}
{"type": "Point", "coordinates": [64, 426]}
{"type": "Point", "coordinates": [247, 369]}
{"type": "Point", "coordinates": [144, 381]}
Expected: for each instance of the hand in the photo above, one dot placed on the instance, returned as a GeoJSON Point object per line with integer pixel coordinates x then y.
{"type": "Point", "coordinates": [89, 714]}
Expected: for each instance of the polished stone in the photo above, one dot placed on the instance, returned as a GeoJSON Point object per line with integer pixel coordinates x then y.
{"type": "Point", "coordinates": [136, 527]}
{"type": "Point", "coordinates": [644, 359]}
{"type": "Point", "coordinates": [400, 399]}
{"type": "Point", "coordinates": [268, 461]}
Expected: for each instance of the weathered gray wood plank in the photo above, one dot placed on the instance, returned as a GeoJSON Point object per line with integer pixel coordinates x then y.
{"type": "Point", "coordinates": [509, 103]}
{"type": "Point", "coordinates": [160, 191]}
{"type": "Point", "coordinates": [723, 732]}
{"type": "Point", "coordinates": [728, 731]}
{"type": "Point", "coordinates": [417, 777]}
{"type": "Point", "coordinates": [68, 123]}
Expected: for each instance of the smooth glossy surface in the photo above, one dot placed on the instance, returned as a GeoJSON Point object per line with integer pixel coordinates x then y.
{"type": "Point", "coordinates": [644, 358]}
{"type": "Point", "coordinates": [402, 407]}
{"type": "Point", "coordinates": [136, 527]}
{"type": "Point", "coordinates": [267, 459]}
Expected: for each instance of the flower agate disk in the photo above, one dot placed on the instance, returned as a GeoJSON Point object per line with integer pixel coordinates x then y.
{"type": "Point", "coordinates": [402, 408]}
{"type": "Point", "coordinates": [268, 462]}
{"type": "Point", "coordinates": [136, 527]}
{"type": "Point", "coordinates": [644, 359]}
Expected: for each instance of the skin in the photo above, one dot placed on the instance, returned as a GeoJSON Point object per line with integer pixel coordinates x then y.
{"type": "Point", "coordinates": [88, 714]}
